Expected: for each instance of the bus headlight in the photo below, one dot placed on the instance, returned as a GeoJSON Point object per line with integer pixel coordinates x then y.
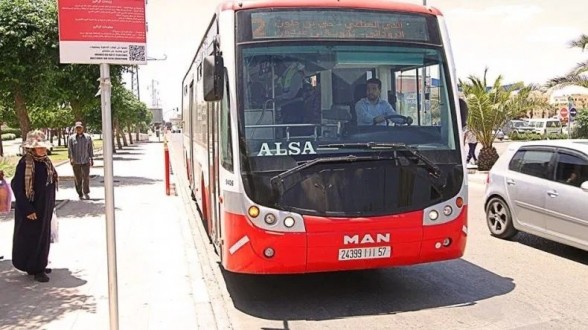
{"type": "Point", "coordinates": [433, 215]}
{"type": "Point", "coordinates": [289, 222]}
{"type": "Point", "coordinates": [447, 210]}
{"type": "Point", "coordinates": [270, 219]}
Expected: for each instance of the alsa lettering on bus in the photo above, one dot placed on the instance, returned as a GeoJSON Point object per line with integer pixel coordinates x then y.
{"type": "Point", "coordinates": [366, 239]}
{"type": "Point", "coordinates": [292, 148]}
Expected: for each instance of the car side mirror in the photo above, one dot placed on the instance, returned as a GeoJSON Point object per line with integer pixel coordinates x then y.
{"type": "Point", "coordinates": [463, 110]}
{"type": "Point", "coordinates": [584, 186]}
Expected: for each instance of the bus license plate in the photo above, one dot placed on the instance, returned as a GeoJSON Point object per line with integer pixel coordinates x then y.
{"type": "Point", "coordinates": [376, 252]}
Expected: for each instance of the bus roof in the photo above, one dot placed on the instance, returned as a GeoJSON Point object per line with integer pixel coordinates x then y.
{"type": "Point", "coordinates": [237, 5]}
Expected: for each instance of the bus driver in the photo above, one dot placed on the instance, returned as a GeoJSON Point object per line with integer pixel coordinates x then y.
{"type": "Point", "coordinates": [372, 110]}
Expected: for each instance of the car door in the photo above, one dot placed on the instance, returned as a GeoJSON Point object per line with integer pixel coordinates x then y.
{"type": "Point", "coordinates": [566, 202]}
{"type": "Point", "coordinates": [526, 183]}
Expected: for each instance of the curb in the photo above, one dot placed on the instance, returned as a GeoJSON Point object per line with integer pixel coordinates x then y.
{"type": "Point", "coordinates": [209, 261]}
{"type": "Point", "coordinates": [63, 202]}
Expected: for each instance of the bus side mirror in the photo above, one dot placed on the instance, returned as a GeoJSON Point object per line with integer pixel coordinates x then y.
{"type": "Point", "coordinates": [463, 110]}
{"type": "Point", "coordinates": [213, 77]}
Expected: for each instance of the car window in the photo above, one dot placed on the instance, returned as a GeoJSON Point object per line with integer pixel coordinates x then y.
{"type": "Point", "coordinates": [571, 169]}
{"type": "Point", "coordinates": [532, 162]}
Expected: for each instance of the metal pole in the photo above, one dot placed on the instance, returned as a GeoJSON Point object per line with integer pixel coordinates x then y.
{"type": "Point", "coordinates": [105, 87]}
{"type": "Point", "coordinates": [138, 85]}
{"type": "Point", "coordinates": [423, 98]}
{"type": "Point", "coordinates": [166, 165]}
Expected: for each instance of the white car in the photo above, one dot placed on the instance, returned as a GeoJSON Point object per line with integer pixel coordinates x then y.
{"type": "Point", "coordinates": [540, 187]}
{"type": "Point", "coordinates": [545, 126]}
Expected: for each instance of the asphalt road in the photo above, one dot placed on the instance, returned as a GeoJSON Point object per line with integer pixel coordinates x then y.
{"type": "Point", "coordinates": [526, 283]}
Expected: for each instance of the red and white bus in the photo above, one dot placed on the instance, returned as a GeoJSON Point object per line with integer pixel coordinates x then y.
{"type": "Point", "coordinates": [303, 185]}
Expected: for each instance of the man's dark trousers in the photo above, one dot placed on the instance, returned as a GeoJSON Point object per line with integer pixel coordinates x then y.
{"type": "Point", "coordinates": [82, 175]}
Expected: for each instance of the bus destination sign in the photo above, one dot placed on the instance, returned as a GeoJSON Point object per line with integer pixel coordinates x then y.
{"type": "Point", "coordinates": [338, 25]}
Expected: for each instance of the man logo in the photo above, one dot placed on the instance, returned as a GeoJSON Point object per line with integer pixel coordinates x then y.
{"type": "Point", "coordinates": [366, 239]}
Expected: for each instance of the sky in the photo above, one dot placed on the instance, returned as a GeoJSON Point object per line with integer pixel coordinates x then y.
{"type": "Point", "coordinates": [522, 40]}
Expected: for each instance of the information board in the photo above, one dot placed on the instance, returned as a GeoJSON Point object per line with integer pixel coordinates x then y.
{"type": "Point", "coordinates": [330, 24]}
{"type": "Point", "coordinates": [102, 31]}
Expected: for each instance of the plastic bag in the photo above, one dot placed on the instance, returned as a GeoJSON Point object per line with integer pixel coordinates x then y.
{"type": "Point", "coordinates": [54, 228]}
{"type": "Point", "coordinates": [5, 195]}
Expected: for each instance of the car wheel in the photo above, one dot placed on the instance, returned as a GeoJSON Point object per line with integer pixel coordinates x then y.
{"type": "Point", "coordinates": [499, 219]}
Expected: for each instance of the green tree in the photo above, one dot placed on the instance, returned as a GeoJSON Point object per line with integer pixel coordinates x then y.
{"type": "Point", "coordinates": [77, 85]}
{"type": "Point", "coordinates": [28, 44]}
{"type": "Point", "coordinates": [578, 75]}
{"type": "Point", "coordinates": [490, 108]}
{"type": "Point", "coordinates": [581, 122]}
{"type": "Point", "coordinates": [127, 111]}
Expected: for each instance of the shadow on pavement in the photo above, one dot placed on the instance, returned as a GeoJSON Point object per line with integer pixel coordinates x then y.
{"type": "Point", "coordinates": [97, 181]}
{"type": "Point", "coordinates": [337, 295]}
{"type": "Point", "coordinates": [81, 209]}
{"type": "Point", "coordinates": [130, 151]}
{"type": "Point", "coordinates": [44, 302]}
{"type": "Point", "coordinates": [117, 159]}
{"type": "Point", "coordinates": [555, 248]}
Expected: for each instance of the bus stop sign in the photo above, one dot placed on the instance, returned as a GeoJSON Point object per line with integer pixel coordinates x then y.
{"type": "Point", "coordinates": [573, 112]}
{"type": "Point", "coordinates": [563, 112]}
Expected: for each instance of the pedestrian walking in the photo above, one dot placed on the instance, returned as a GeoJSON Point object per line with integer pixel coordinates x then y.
{"type": "Point", "coordinates": [80, 151]}
{"type": "Point", "coordinates": [34, 186]}
{"type": "Point", "coordinates": [472, 141]}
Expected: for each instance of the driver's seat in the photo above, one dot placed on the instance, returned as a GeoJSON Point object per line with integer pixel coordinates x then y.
{"type": "Point", "coordinates": [359, 92]}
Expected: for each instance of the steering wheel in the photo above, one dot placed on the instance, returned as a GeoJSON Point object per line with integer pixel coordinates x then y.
{"type": "Point", "coordinates": [407, 121]}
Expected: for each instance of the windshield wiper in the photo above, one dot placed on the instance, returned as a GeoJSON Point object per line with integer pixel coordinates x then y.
{"type": "Point", "coordinates": [432, 168]}
{"type": "Point", "coordinates": [280, 183]}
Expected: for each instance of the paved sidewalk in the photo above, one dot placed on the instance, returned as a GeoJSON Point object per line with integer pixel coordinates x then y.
{"type": "Point", "coordinates": [159, 277]}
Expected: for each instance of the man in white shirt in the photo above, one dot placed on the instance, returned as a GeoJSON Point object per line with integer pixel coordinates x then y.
{"type": "Point", "coordinates": [472, 141]}
{"type": "Point", "coordinates": [372, 110]}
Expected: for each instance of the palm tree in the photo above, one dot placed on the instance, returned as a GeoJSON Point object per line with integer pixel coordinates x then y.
{"type": "Point", "coordinates": [576, 76]}
{"type": "Point", "coordinates": [491, 107]}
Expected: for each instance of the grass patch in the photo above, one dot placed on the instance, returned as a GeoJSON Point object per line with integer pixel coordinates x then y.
{"type": "Point", "coordinates": [98, 144]}
{"type": "Point", "coordinates": [59, 154]}
{"type": "Point", "coordinates": [8, 165]}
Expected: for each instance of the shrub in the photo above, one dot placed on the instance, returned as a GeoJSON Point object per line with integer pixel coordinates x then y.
{"type": "Point", "coordinates": [8, 137]}
{"type": "Point", "coordinates": [15, 131]}
{"type": "Point", "coordinates": [559, 136]}
{"type": "Point", "coordinates": [8, 165]}
{"type": "Point", "coordinates": [528, 136]}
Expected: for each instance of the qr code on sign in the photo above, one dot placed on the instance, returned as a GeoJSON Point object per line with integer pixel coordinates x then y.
{"type": "Point", "coordinates": [137, 53]}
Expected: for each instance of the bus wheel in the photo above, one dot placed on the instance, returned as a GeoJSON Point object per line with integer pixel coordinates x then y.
{"type": "Point", "coordinates": [499, 219]}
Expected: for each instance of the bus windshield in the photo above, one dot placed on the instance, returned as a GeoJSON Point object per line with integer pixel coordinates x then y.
{"type": "Point", "coordinates": [332, 103]}
{"type": "Point", "coordinates": [297, 97]}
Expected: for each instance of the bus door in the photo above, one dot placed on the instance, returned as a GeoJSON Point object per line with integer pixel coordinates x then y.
{"type": "Point", "coordinates": [213, 172]}
{"type": "Point", "coordinates": [191, 138]}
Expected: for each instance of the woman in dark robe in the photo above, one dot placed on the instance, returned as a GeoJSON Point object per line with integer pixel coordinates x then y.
{"type": "Point", "coordinates": [34, 185]}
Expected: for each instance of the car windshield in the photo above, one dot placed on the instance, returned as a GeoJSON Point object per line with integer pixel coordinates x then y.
{"type": "Point", "coordinates": [537, 124]}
